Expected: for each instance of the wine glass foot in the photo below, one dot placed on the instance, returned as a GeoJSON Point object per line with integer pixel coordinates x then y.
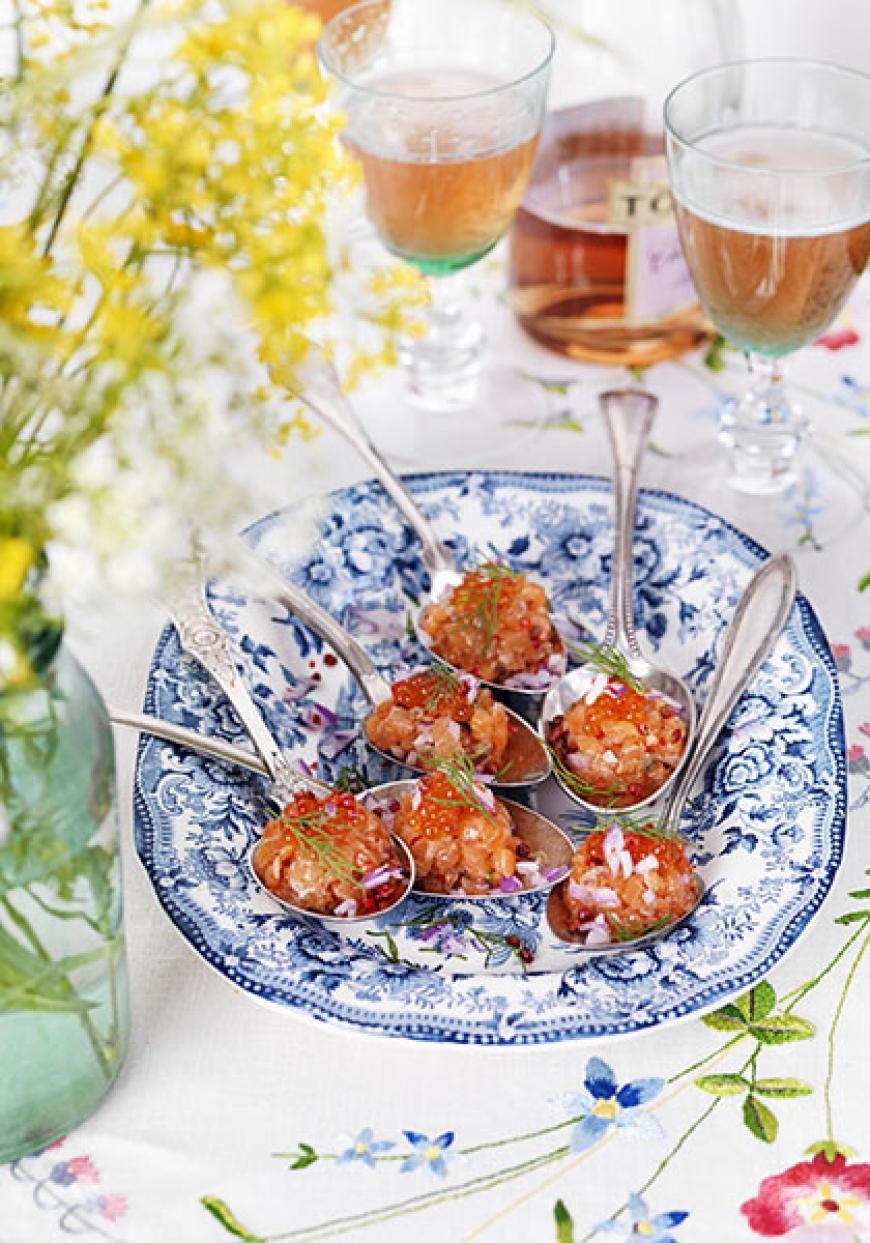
{"type": "Point", "coordinates": [507, 413]}
{"type": "Point", "coordinates": [763, 444]}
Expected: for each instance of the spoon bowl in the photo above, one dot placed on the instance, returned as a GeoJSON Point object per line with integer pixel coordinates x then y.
{"type": "Point", "coordinates": [318, 387]}
{"type": "Point", "coordinates": [758, 622]}
{"type": "Point", "coordinates": [339, 921]}
{"type": "Point", "coordinates": [203, 638]}
{"type": "Point", "coordinates": [560, 925]}
{"type": "Point", "coordinates": [628, 416]}
{"type": "Point", "coordinates": [550, 848]}
{"type": "Point", "coordinates": [526, 761]}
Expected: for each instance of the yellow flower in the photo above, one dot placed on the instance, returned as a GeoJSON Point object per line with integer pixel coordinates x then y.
{"type": "Point", "coordinates": [17, 558]}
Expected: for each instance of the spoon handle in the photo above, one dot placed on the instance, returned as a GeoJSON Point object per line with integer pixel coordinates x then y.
{"type": "Point", "coordinates": [373, 684]}
{"type": "Point", "coordinates": [757, 624]}
{"type": "Point", "coordinates": [167, 730]}
{"type": "Point", "coordinates": [322, 394]}
{"type": "Point", "coordinates": [205, 640]}
{"type": "Point", "coordinates": [628, 416]}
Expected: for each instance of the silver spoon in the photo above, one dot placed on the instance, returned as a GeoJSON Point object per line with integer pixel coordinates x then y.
{"type": "Point", "coordinates": [757, 624]}
{"type": "Point", "coordinates": [319, 389]}
{"type": "Point", "coordinates": [203, 638]}
{"type": "Point", "coordinates": [628, 416]}
{"type": "Point", "coordinates": [526, 760]}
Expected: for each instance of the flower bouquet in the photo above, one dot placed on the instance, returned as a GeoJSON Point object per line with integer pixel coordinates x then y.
{"type": "Point", "coordinates": [170, 209]}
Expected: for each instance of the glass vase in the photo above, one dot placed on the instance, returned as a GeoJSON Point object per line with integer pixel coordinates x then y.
{"type": "Point", "coordinates": [63, 995]}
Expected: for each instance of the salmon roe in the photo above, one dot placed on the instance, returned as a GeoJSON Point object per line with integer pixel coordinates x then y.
{"type": "Point", "coordinates": [462, 841]}
{"type": "Point", "coordinates": [434, 714]}
{"type": "Point", "coordinates": [619, 743]}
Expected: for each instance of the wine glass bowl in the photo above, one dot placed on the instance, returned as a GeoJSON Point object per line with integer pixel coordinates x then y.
{"type": "Point", "coordinates": [770, 168]}
{"type": "Point", "coordinates": [443, 105]}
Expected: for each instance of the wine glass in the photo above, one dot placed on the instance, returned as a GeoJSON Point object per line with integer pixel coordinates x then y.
{"type": "Point", "coordinates": [770, 167]}
{"type": "Point", "coordinates": [444, 103]}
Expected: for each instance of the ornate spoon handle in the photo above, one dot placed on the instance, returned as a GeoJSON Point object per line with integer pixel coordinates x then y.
{"type": "Point", "coordinates": [628, 416]}
{"type": "Point", "coordinates": [204, 639]}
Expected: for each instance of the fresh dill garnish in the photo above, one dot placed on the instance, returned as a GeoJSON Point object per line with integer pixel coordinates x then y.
{"type": "Point", "coordinates": [444, 686]}
{"type": "Point", "coordinates": [459, 771]}
{"type": "Point", "coordinates": [310, 831]}
{"type": "Point", "coordinates": [608, 660]}
{"type": "Point", "coordinates": [491, 577]}
{"type": "Point", "coordinates": [582, 788]}
{"type": "Point", "coordinates": [631, 824]}
{"type": "Point", "coordinates": [351, 780]}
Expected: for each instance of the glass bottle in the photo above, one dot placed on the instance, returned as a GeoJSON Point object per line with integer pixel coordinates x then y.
{"type": "Point", "coordinates": [595, 265]}
{"type": "Point", "coordinates": [63, 993]}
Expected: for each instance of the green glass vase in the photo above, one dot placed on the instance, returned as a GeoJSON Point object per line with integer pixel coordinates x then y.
{"type": "Point", "coordinates": [63, 995]}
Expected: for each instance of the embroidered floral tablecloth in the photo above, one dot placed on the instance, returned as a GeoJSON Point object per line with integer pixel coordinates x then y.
{"type": "Point", "coordinates": [236, 1120]}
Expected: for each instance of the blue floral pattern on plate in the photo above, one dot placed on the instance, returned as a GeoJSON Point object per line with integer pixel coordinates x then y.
{"type": "Point", "coordinates": [768, 819]}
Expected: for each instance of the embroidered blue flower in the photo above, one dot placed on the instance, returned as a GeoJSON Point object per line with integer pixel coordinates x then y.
{"type": "Point", "coordinates": [640, 1225]}
{"type": "Point", "coordinates": [607, 1105]}
{"type": "Point", "coordinates": [431, 1152]}
{"type": "Point", "coordinates": [364, 1148]}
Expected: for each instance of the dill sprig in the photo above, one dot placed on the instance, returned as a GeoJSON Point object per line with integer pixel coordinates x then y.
{"type": "Point", "coordinates": [311, 833]}
{"type": "Point", "coordinates": [459, 771]}
{"type": "Point", "coordinates": [608, 660]}
{"type": "Point", "coordinates": [444, 686]}
{"type": "Point", "coordinates": [632, 824]}
{"type": "Point", "coordinates": [582, 788]}
{"type": "Point", "coordinates": [492, 577]}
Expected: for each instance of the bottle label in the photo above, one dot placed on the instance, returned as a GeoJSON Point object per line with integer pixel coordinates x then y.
{"type": "Point", "coordinates": [657, 281]}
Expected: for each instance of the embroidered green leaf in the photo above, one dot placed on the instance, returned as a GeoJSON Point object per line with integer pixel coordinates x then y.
{"type": "Point", "coordinates": [227, 1218]}
{"type": "Point", "coordinates": [831, 1150]}
{"type": "Point", "coordinates": [760, 1120]}
{"type": "Point", "coordinates": [564, 1223]}
{"type": "Point", "coordinates": [859, 893]}
{"type": "Point", "coordinates": [782, 1028]}
{"type": "Point", "coordinates": [864, 582]}
{"type": "Point", "coordinates": [853, 917]}
{"type": "Point", "coordinates": [782, 1087]}
{"type": "Point", "coordinates": [726, 1019]}
{"type": "Point", "coordinates": [307, 1156]}
{"type": "Point", "coordinates": [723, 1085]}
{"type": "Point", "coordinates": [757, 1003]}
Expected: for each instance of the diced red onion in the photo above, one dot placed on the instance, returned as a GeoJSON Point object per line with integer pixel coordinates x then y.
{"type": "Point", "coordinates": [509, 884]}
{"type": "Point", "coordinates": [346, 909]}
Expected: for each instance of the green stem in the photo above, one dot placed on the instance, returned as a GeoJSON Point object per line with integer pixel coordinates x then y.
{"type": "Point", "coordinates": [38, 948]}
{"type": "Point", "coordinates": [343, 1225]}
{"type": "Point", "coordinates": [85, 149]}
{"type": "Point", "coordinates": [829, 1076]}
{"type": "Point", "coordinates": [710, 1057]}
{"type": "Point", "coordinates": [797, 994]}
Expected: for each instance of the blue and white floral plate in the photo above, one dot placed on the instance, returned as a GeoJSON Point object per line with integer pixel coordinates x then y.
{"type": "Point", "coordinates": [768, 823]}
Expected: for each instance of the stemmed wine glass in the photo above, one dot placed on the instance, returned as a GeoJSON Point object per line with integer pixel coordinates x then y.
{"type": "Point", "coordinates": [444, 103]}
{"type": "Point", "coordinates": [770, 167]}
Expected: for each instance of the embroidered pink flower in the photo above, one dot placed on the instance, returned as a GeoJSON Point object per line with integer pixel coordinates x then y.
{"type": "Point", "coordinates": [823, 1198]}
{"type": "Point", "coordinates": [862, 634]}
{"type": "Point", "coordinates": [83, 1170]}
{"type": "Point", "coordinates": [112, 1207]}
{"type": "Point", "coordinates": [838, 339]}
{"type": "Point", "coordinates": [864, 728]}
